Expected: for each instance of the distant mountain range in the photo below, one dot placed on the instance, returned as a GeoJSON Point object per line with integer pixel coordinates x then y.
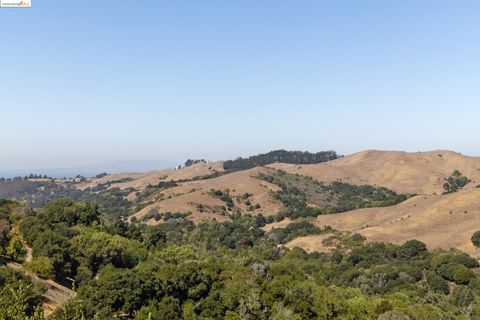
{"type": "Point", "coordinates": [94, 169]}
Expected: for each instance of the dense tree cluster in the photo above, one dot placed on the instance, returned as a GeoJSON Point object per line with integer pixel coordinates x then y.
{"type": "Point", "coordinates": [11, 243]}
{"type": "Point", "coordinates": [29, 177]}
{"type": "Point", "coordinates": [191, 162]}
{"type": "Point", "coordinates": [476, 239]}
{"type": "Point", "coordinates": [224, 196]}
{"type": "Point", "coordinates": [197, 275]}
{"type": "Point", "coordinates": [292, 231]}
{"type": "Point", "coordinates": [20, 297]}
{"type": "Point", "coordinates": [232, 269]}
{"type": "Point", "coordinates": [298, 192]}
{"type": "Point", "coordinates": [101, 175]}
{"type": "Point", "coordinates": [296, 157]}
{"type": "Point", "coordinates": [111, 201]}
{"type": "Point", "coordinates": [455, 182]}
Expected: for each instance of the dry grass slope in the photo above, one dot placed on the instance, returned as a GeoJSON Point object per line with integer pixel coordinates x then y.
{"type": "Point", "coordinates": [140, 181]}
{"type": "Point", "coordinates": [438, 220]}
{"type": "Point", "coordinates": [188, 195]}
{"type": "Point", "coordinates": [414, 173]}
{"type": "Point", "coordinates": [446, 221]}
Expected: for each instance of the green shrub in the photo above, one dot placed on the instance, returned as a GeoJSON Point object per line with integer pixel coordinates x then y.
{"type": "Point", "coordinates": [462, 296]}
{"type": "Point", "coordinates": [447, 271]}
{"type": "Point", "coordinates": [455, 182]}
{"type": "Point", "coordinates": [474, 285]}
{"type": "Point", "coordinates": [167, 308]}
{"type": "Point", "coordinates": [15, 249]}
{"type": "Point", "coordinates": [41, 266]}
{"type": "Point", "coordinates": [464, 259]}
{"type": "Point", "coordinates": [292, 231]}
{"type": "Point", "coordinates": [70, 212]}
{"type": "Point", "coordinates": [437, 283]}
{"type": "Point", "coordinates": [357, 237]}
{"type": "Point", "coordinates": [304, 196]}
{"type": "Point", "coordinates": [31, 227]}
{"type": "Point", "coordinates": [463, 275]}
{"type": "Point", "coordinates": [411, 249]}
{"type": "Point", "coordinates": [457, 273]}
{"type": "Point", "coordinates": [476, 239]}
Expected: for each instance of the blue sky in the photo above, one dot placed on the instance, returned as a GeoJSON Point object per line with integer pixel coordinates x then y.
{"type": "Point", "coordinates": [84, 82]}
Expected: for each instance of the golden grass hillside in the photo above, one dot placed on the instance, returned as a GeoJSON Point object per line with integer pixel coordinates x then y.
{"type": "Point", "coordinates": [446, 221]}
{"type": "Point", "coordinates": [438, 220]}
{"type": "Point", "coordinates": [414, 173]}
{"type": "Point", "coordinates": [140, 181]}
{"type": "Point", "coordinates": [196, 197]}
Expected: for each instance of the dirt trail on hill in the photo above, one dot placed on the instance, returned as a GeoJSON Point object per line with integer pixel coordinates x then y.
{"type": "Point", "coordinates": [56, 294]}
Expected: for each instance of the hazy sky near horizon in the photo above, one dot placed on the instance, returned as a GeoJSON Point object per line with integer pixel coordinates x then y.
{"type": "Point", "coordinates": [85, 82]}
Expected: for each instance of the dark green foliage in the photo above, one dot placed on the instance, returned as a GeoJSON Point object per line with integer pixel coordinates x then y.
{"type": "Point", "coordinates": [241, 232]}
{"type": "Point", "coordinates": [37, 193]}
{"type": "Point", "coordinates": [70, 212]}
{"type": "Point", "coordinates": [456, 272]}
{"type": "Point", "coordinates": [56, 247]}
{"type": "Point", "coordinates": [167, 308]}
{"type": "Point", "coordinates": [162, 185]}
{"type": "Point", "coordinates": [292, 231]}
{"type": "Point", "coordinates": [191, 162]}
{"type": "Point", "coordinates": [358, 237]}
{"type": "Point", "coordinates": [454, 258]}
{"type": "Point", "coordinates": [41, 266]}
{"type": "Point", "coordinates": [412, 249]}
{"type": "Point", "coordinates": [447, 271]}
{"type": "Point", "coordinates": [5, 236]}
{"type": "Point", "coordinates": [127, 230]}
{"type": "Point", "coordinates": [463, 275]}
{"type": "Point", "coordinates": [455, 182]}
{"type": "Point", "coordinates": [297, 192]}
{"type": "Point", "coordinates": [296, 157]}
{"type": "Point", "coordinates": [10, 212]}
{"type": "Point", "coordinates": [101, 248]}
{"type": "Point", "coordinates": [13, 211]}
{"type": "Point", "coordinates": [224, 196]}
{"type": "Point", "coordinates": [464, 259]}
{"type": "Point", "coordinates": [260, 221]}
{"type": "Point", "coordinates": [112, 202]}
{"type": "Point", "coordinates": [120, 291]}
{"type": "Point", "coordinates": [476, 239]}
{"type": "Point", "coordinates": [20, 298]}
{"type": "Point", "coordinates": [462, 296]}
{"type": "Point", "coordinates": [437, 283]}
{"type": "Point", "coordinates": [234, 270]}
{"type": "Point", "coordinates": [101, 175]}
{"type": "Point", "coordinates": [31, 227]}
{"type": "Point", "coordinates": [15, 249]}
{"type": "Point", "coordinates": [166, 216]}
{"type": "Point", "coordinates": [171, 233]}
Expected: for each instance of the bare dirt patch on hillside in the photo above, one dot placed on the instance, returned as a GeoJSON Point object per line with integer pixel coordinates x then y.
{"type": "Point", "coordinates": [276, 225]}
{"type": "Point", "coordinates": [313, 243]}
{"type": "Point", "coordinates": [55, 294]}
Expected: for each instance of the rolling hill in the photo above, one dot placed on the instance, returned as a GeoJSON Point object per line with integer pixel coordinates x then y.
{"type": "Point", "coordinates": [414, 173]}
{"type": "Point", "coordinates": [205, 191]}
{"type": "Point", "coordinates": [439, 221]}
